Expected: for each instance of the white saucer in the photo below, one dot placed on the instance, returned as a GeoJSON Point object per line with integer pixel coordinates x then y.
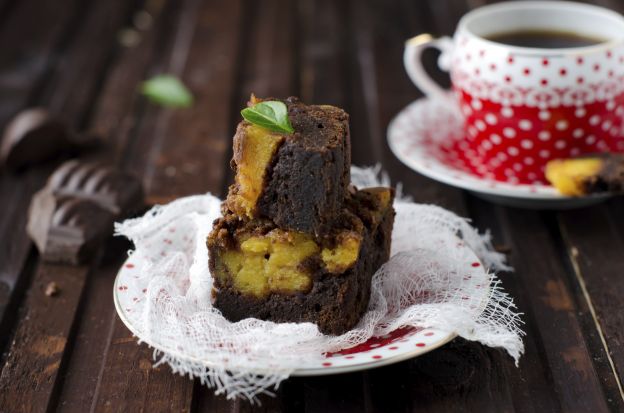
{"type": "Point", "coordinates": [130, 294]}
{"type": "Point", "coordinates": [416, 134]}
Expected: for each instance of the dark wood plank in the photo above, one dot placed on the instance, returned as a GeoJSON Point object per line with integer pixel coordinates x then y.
{"type": "Point", "coordinates": [538, 263]}
{"type": "Point", "coordinates": [28, 379]}
{"type": "Point", "coordinates": [594, 247]}
{"type": "Point", "coordinates": [29, 41]}
{"type": "Point", "coordinates": [115, 116]}
{"type": "Point", "coordinates": [178, 153]}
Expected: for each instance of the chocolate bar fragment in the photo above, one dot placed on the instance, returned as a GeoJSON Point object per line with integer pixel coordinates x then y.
{"type": "Point", "coordinates": [76, 209]}
{"type": "Point", "coordinates": [117, 191]}
{"type": "Point", "coordinates": [266, 272]}
{"type": "Point", "coordinates": [587, 174]}
{"type": "Point", "coordinates": [35, 136]}
{"type": "Point", "coordinates": [297, 180]}
{"type": "Point", "coordinates": [65, 229]}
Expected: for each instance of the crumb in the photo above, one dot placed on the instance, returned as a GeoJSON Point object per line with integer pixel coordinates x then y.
{"type": "Point", "coordinates": [52, 289]}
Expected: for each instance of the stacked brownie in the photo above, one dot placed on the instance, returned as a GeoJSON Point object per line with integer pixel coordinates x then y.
{"type": "Point", "coordinates": [297, 242]}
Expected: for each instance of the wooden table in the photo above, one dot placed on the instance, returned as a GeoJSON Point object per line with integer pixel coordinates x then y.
{"type": "Point", "coordinates": [84, 60]}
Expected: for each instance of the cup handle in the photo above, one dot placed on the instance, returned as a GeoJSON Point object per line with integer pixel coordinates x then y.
{"type": "Point", "coordinates": [412, 60]}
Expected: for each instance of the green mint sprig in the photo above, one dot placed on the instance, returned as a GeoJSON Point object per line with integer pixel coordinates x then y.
{"type": "Point", "coordinates": [167, 90]}
{"type": "Point", "coordinates": [272, 115]}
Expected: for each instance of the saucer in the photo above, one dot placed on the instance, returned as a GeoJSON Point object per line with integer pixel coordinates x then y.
{"type": "Point", "coordinates": [427, 136]}
{"type": "Point", "coordinates": [130, 295]}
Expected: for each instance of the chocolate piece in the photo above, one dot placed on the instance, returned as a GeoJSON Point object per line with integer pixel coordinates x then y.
{"type": "Point", "coordinates": [33, 136]}
{"type": "Point", "coordinates": [65, 229]}
{"type": "Point", "coordinates": [76, 210]}
{"type": "Point", "coordinates": [298, 180]}
{"type": "Point", "coordinates": [316, 280]}
{"type": "Point", "coordinates": [587, 174]}
{"type": "Point", "coordinates": [119, 192]}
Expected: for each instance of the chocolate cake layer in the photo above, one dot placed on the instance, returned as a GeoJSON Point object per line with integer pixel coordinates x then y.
{"type": "Point", "coordinates": [320, 279]}
{"type": "Point", "coordinates": [297, 180]}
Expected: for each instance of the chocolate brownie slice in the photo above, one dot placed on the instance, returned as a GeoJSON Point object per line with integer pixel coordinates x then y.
{"type": "Point", "coordinates": [587, 174]}
{"type": "Point", "coordinates": [297, 180]}
{"type": "Point", "coordinates": [266, 272]}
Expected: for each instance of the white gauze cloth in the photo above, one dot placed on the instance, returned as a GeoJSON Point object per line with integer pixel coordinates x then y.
{"type": "Point", "coordinates": [422, 286]}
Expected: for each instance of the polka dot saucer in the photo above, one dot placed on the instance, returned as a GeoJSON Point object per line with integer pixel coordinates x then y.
{"type": "Point", "coordinates": [130, 292]}
{"type": "Point", "coordinates": [427, 136]}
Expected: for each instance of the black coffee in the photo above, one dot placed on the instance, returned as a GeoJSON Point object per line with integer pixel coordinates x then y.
{"type": "Point", "coordinates": [544, 39]}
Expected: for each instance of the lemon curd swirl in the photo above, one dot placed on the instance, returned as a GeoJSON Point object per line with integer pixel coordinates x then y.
{"type": "Point", "coordinates": [258, 146]}
{"type": "Point", "coordinates": [275, 262]}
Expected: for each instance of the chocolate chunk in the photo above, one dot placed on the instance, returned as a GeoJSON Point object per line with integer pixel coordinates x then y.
{"type": "Point", "coordinates": [75, 211]}
{"type": "Point", "coordinates": [33, 136]}
{"type": "Point", "coordinates": [65, 229]}
{"type": "Point", "coordinates": [117, 191]}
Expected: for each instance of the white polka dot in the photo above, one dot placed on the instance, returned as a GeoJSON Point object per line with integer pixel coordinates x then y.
{"type": "Point", "coordinates": [525, 124]}
{"type": "Point", "coordinates": [509, 172]}
{"type": "Point", "coordinates": [602, 146]}
{"type": "Point", "coordinates": [531, 175]}
{"type": "Point", "coordinates": [513, 180]}
{"type": "Point", "coordinates": [614, 131]}
{"type": "Point", "coordinates": [517, 167]}
{"type": "Point", "coordinates": [620, 110]}
{"type": "Point", "coordinates": [463, 145]}
{"type": "Point", "coordinates": [491, 119]}
{"type": "Point", "coordinates": [472, 131]}
{"type": "Point", "coordinates": [577, 133]}
{"type": "Point", "coordinates": [561, 125]}
{"type": "Point", "coordinates": [544, 115]}
{"type": "Point", "coordinates": [544, 153]}
{"type": "Point", "coordinates": [494, 162]}
{"type": "Point", "coordinates": [487, 145]}
{"type": "Point", "coordinates": [580, 112]}
{"type": "Point", "coordinates": [509, 132]}
{"type": "Point", "coordinates": [476, 104]}
{"type": "Point", "coordinates": [481, 169]}
{"type": "Point", "coordinates": [574, 151]}
{"type": "Point", "coordinates": [544, 135]}
{"type": "Point", "coordinates": [529, 161]}
{"type": "Point", "coordinates": [480, 125]}
{"type": "Point", "coordinates": [513, 151]}
{"type": "Point", "coordinates": [526, 144]}
{"type": "Point", "coordinates": [610, 105]}
{"type": "Point", "coordinates": [560, 144]}
{"type": "Point", "coordinates": [502, 157]}
{"type": "Point", "coordinates": [594, 120]}
{"type": "Point", "coordinates": [590, 140]}
{"type": "Point", "coordinates": [467, 110]}
{"type": "Point", "coordinates": [496, 139]}
{"type": "Point", "coordinates": [507, 112]}
{"type": "Point", "coordinates": [606, 125]}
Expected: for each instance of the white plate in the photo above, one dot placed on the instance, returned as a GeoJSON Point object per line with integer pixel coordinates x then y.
{"type": "Point", "coordinates": [399, 345]}
{"type": "Point", "coordinates": [416, 134]}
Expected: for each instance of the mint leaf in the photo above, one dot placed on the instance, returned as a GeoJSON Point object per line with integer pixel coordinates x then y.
{"type": "Point", "coordinates": [167, 90]}
{"type": "Point", "coordinates": [272, 115]}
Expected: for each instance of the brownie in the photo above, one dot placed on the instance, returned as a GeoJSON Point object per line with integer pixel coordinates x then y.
{"type": "Point", "coordinates": [587, 174]}
{"type": "Point", "coordinates": [297, 180]}
{"type": "Point", "coordinates": [335, 290]}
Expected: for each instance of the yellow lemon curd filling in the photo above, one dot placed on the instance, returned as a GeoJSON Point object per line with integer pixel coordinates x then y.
{"type": "Point", "coordinates": [257, 147]}
{"type": "Point", "coordinates": [568, 175]}
{"type": "Point", "coordinates": [275, 262]}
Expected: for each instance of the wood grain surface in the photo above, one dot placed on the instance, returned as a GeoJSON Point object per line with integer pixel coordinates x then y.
{"type": "Point", "coordinates": [85, 60]}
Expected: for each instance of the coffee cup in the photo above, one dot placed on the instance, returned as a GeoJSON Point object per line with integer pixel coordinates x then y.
{"type": "Point", "coordinates": [532, 101]}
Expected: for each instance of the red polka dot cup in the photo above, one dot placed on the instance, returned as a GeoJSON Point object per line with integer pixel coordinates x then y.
{"type": "Point", "coordinates": [524, 106]}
